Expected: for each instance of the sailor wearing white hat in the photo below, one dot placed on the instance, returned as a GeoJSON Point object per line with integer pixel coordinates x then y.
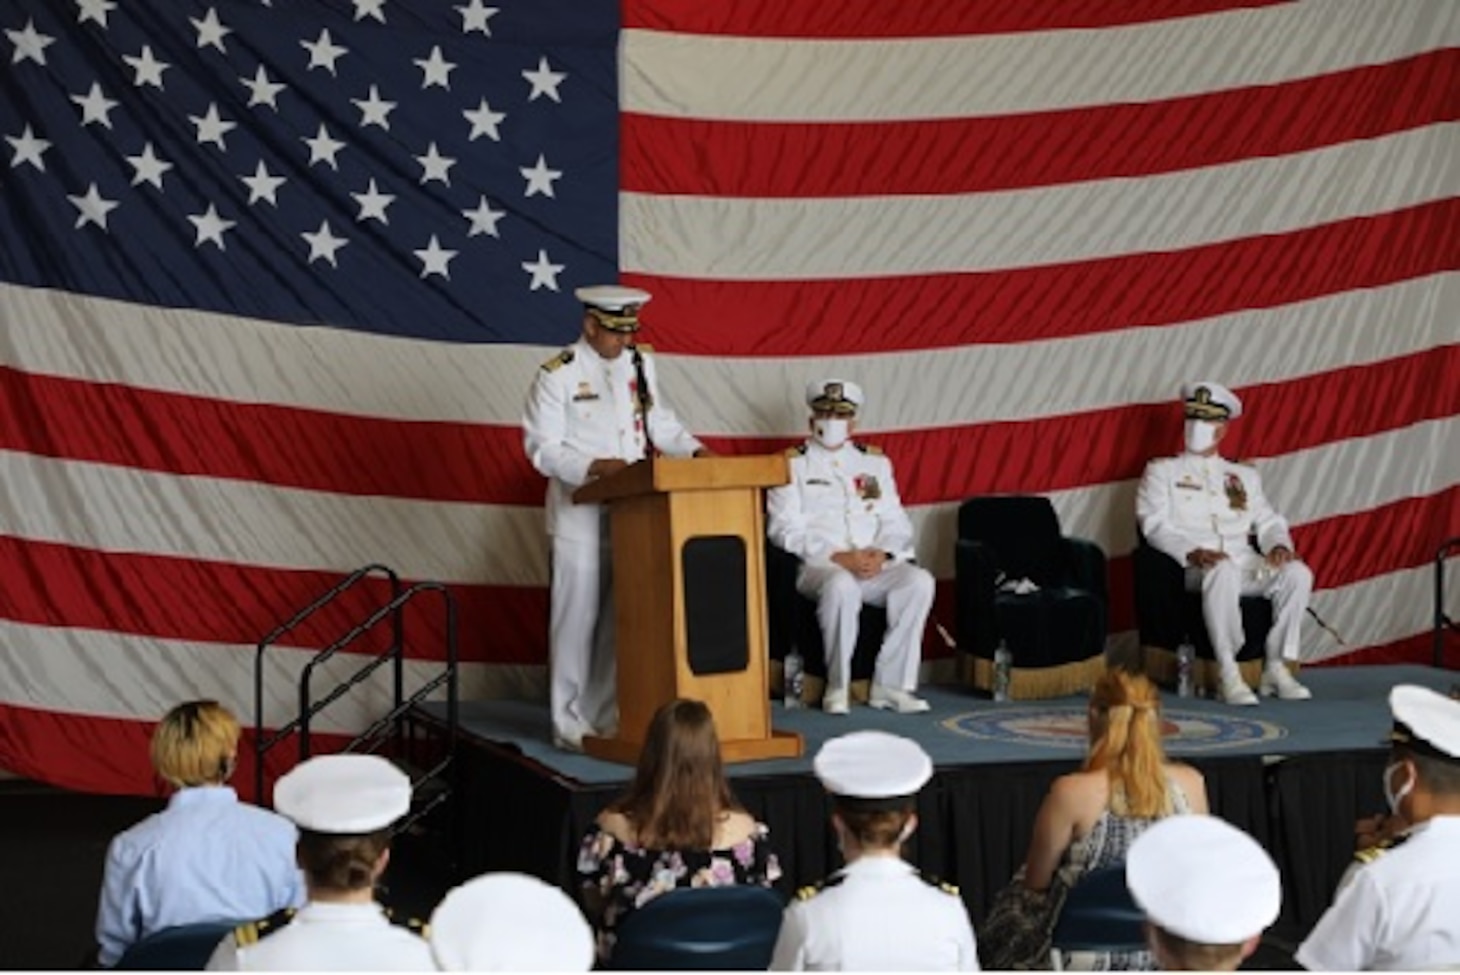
{"type": "Point", "coordinates": [842, 516]}
{"type": "Point", "coordinates": [1200, 509]}
{"type": "Point", "coordinates": [510, 922]}
{"type": "Point", "coordinates": [877, 913]}
{"type": "Point", "coordinates": [1208, 891]}
{"type": "Point", "coordinates": [585, 419]}
{"type": "Point", "coordinates": [344, 806]}
{"type": "Point", "coordinates": [1401, 910]}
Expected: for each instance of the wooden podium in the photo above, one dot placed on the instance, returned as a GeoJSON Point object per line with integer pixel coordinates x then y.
{"type": "Point", "coordinates": [690, 599]}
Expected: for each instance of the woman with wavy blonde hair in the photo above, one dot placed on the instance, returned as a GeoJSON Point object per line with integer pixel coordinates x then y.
{"type": "Point", "coordinates": [1089, 818]}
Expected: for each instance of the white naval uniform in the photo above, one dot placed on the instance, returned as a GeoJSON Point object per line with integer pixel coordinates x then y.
{"type": "Point", "coordinates": [327, 937]}
{"type": "Point", "coordinates": [877, 914]}
{"type": "Point", "coordinates": [836, 501]}
{"type": "Point", "coordinates": [1189, 502]}
{"type": "Point", "coordinates": [582, 407]}
{"type": "Point", "coordinates": [1400, 912]}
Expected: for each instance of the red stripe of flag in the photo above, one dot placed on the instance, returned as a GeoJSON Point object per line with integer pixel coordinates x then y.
{"type": "Point", "coordinates": [729, 158]}
{"type": "Point", "coordinates": [932, 18]}
{"type": "Point", "coordinates": [1108, 294]}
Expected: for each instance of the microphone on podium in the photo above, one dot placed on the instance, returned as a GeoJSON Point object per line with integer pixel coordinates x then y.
{"type": "Point", "coordinates": [645, 400]}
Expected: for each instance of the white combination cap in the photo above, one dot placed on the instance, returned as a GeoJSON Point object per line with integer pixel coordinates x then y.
{"type": "Point", "coordinates": [1426, 721]}
{"type": "Point", "coordinates": [834, 395]}
{"type": "Point", "coordinates": [614, 306]}
{"type": "Point", "coordinates": [345, 794]}
{"type": "Point", "coordinates": [510, 922]}
{"type": "Point", "coordinates": [1206, 400]}
{"type": "Point", "coordinates": [1203, 879]}
{"type": "Point", "coordinates": [872, 765]}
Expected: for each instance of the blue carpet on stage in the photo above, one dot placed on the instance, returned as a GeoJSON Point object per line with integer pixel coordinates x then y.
{"type": "Point", "coordinates": [1349, 711]}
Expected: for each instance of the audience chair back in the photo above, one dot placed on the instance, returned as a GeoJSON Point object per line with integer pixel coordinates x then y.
{"type": "Point", "coordinates": [697, 928]}
{"type": "Point", "coordinates": [1099, 915]}
{"type": "Point", "coordinates": [184, 948]}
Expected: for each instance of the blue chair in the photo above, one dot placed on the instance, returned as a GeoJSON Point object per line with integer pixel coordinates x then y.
{"type": "Point", "coordinates": [1100, 916]}
{"type": "Point", "coordinates": [183, 948]}
{"type": "Point", "coordinates": [700, 928]}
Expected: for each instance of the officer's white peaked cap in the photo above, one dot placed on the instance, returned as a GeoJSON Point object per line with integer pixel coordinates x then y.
{"type": "Point", "coordinates": [872, 765]}
{"type": "Point", "coordinates": [612, 297]}
{"type": "Point", "coordinates": [1206, 400]}
{"type": "Point", "coordinates": [344, 794]}
{"type": "Point", "coordinates": [510, 922]}
{"type": "Point", "coordinates": [1203, 879]}
{"type": "Point", "coordinates": [1425, 720]}
{"type": "Point", "coordinates": [834, 395]}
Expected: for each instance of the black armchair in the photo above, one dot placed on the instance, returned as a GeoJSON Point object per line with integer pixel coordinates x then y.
{"type": "Point", "coordinates": [1056, 634]}
{"type": "Point", "coordinates": [1166, 614]}
{"type": "Point", "coordinates": [791, 621]}
{"type": "Point", "coordinates": [184, 948]}
{"type": "Point", "coordinates": [696, 928]}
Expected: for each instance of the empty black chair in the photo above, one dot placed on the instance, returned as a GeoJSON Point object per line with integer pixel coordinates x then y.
{"type": "Point", "coordinates": [1099, 916]}
{"type": "Point", "coordinates": [698, 928]}
{"type": "Point", "coordinates": [1056, 634]}
{"type": "Point", "coordinates": [1167, 614]}
{"type": "Point", "coordinates": [791, 621]}
{"type": "Point", "coordinates": [184, 948]}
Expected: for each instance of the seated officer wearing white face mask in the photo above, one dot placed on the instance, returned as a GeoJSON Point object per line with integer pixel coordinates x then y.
{"type": "Point", "coordinates": [1401, 909]}
{"type": "Point", "coordinates": [1200, 509]}
{"type": "Point", "coordinates": [841, 515]}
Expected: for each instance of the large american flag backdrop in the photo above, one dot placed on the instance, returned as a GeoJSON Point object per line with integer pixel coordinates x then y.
{"type": "Point", "coordinates": [274, 280]}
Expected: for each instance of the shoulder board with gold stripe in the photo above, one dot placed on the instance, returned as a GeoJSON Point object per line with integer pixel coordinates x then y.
{"type": "Point", "coordinates": [250, 933]}
{"type": "Point", "coordinates": [869, 449]}
{"type": "Point", "coordinates": [558, 361]}
{"type": "Point", "coordinates": [413, 924]}
{"type": "Point", "coordinates": [808, 892]}
{"type": "Point", "coordinates": [1371, 853]}
{"type": "Point", "coordinates": [942, 885]}
{"type": "Point", "coordinates": [796, 451]}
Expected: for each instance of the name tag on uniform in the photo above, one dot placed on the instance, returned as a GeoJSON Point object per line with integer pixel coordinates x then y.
{"type": "Point", "coordinates": [823, 482]}
{"type": "Point", "coordinates": [1188, 484]}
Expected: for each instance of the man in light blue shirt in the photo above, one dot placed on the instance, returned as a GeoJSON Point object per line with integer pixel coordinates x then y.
{"type": "Point", "coordinates": [207, 856]}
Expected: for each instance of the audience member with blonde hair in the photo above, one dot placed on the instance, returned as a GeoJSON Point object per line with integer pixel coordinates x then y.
{"type": "Point", "coordinates": [345, 807]}
{"type": "Point", "coordinates": [1089, 818]}
{"type": "Point", "coordinates": [678, 825]}
{"type": "Point", "coordinates": [207, 856]}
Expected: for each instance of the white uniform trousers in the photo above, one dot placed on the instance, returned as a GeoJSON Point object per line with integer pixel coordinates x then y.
{"type": "Point", "coordinates": [1244, 574]}
{"type": "Point", "coordinates": [907, 592]}
{"type": "Point", "coordinates": [581, 661]}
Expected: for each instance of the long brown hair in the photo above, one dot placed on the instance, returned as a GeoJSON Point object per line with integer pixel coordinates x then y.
{"type": "Point", "coordinates": [679, 793]}
{"type": "Point", "coordinates": [1125, 741]}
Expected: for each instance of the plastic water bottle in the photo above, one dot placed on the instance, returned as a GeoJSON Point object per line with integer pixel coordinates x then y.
{"type": "Point", "coordinates": [794, 674]}
{"type": "Point", "coordinates": [1003, 664]}
{"type": "Point", "coordinates": [1185, 661]}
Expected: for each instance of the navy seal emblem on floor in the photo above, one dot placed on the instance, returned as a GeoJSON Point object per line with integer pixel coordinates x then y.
{"type": "Point", "coordinates": [1064, 726]}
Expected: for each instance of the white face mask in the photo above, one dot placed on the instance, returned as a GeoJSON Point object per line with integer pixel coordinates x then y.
{"type": "Point", "coordinates": [830, 433]}
{"type": "Point", "coordinates": [1395, 797]}
{"type": "Point", "coordinates": [1201, 436]}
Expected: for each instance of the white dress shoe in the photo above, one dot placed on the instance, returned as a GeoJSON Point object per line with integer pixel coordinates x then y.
{"type": "Point", "coordinates": [835, 702]}
{"type": "Point", "coordinates": [892, 699]}
{"type": "Point", "coordinates": [1234, 691]}
{"type": "Point", "coordinates": [1276, 681]}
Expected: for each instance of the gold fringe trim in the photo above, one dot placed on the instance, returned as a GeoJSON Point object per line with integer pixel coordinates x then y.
{"type": "Point", "coordinates": [1032, 683]}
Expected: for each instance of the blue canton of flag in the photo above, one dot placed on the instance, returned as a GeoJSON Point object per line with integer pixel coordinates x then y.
{"type": "Point", "coordinates": [436, 170]}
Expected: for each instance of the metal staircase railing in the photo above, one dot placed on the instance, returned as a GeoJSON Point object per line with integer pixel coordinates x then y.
{"type": "Point", "coordinates": [433, 785]}
{"type": "Point", "coordinates": [1442, 619]}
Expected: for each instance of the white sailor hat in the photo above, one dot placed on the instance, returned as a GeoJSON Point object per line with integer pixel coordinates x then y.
{"type": "Point", "coordinates": [873, 766]}
{"type": "Point", "coordinates": [1206, 400]}
{"type": "Point", "coordinates": [614, 306]}
{"type": "Point", "coordinates": [834, 396]}
{"type": "Point", "coordinates": [1425, 721]}
{"type": "Point", "coordinates": [1203, 879]}
{"type": "Point", "coordinates": [510, 922]}
{"type": "Point", "coordinates": [344, 794]}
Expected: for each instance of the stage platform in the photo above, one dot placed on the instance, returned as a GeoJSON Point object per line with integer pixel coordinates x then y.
{"type": "Point", "coordinates": [1294, 774]}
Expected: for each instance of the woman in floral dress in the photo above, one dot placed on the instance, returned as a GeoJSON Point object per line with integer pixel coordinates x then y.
{"type": "Point", "coordinates": [678, 825]}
